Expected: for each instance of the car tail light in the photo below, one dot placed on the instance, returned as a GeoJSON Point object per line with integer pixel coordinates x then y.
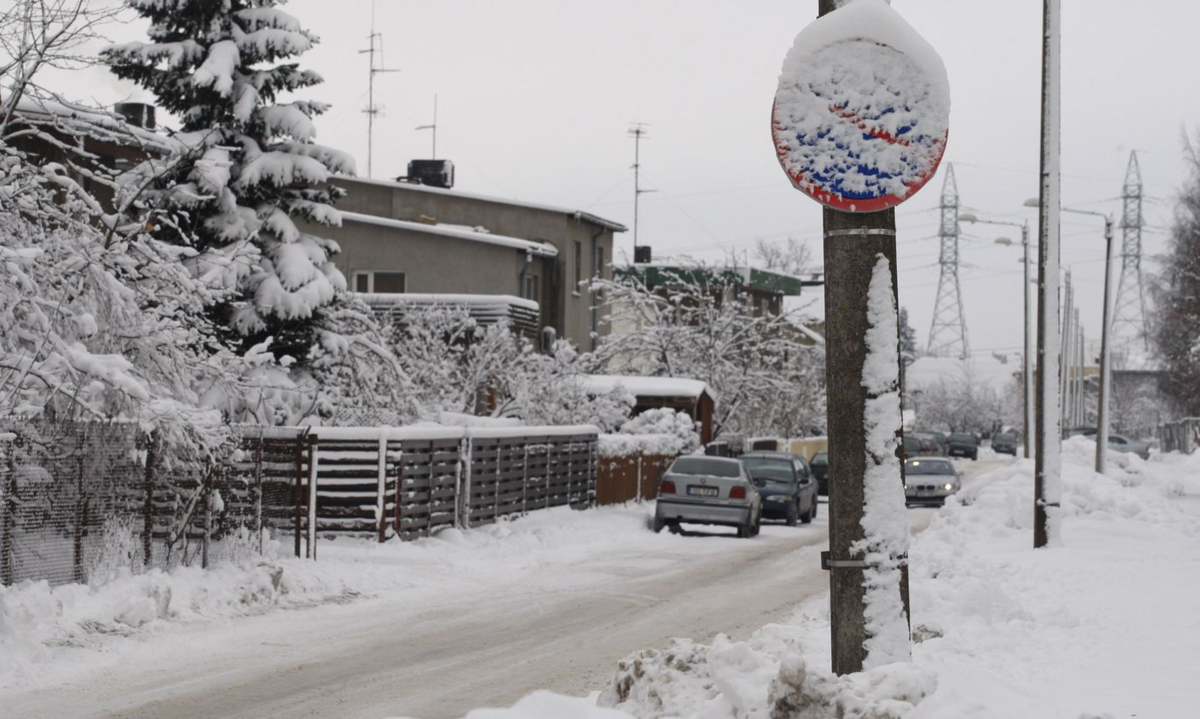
{"type": "Point", "coordinates": [668, 487]}
{"type": "Point", "coordinates": [737, 493]}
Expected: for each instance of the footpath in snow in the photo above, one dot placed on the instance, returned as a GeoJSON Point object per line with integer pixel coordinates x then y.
{"type": "Point", "coordinates": [1103, 627]}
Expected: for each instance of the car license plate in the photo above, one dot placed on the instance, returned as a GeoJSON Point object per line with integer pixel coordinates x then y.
{"type": "Point", "coordinates": [702, 491]}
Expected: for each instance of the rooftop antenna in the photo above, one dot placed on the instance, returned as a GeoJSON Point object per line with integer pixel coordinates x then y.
{"type": "Point", "coordinates": [432, 127]}
{"type": "Point", "coordinates": [372, 109]}
{"type": "Point", "coordinates": [638, 131]}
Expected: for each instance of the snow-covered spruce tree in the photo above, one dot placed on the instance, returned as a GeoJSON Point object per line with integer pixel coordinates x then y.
{"type": "Point", "coordinates": [1177, 297]}
{"type": "Point", "coordinates": [253, 167]}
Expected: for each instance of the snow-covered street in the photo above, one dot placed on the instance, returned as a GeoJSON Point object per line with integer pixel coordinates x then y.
{"type": "Point", "coordinates": [552, 601]}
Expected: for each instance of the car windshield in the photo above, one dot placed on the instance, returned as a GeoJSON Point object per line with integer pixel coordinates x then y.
{"type": "Point", "coordinates": [705, 466]}
{"type": "Point", "coordinates": [963, 438]}
{"type": "Point", "coordinates": [774, 469]}
{"type": "Point", "coordinates": [924, 466]}
{"type": "Point", "coordinates": [820, 458]}
{"type": "Point", "coordinates": [1005, 438]}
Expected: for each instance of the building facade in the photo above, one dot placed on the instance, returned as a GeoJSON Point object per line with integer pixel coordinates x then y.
{"type": "Point", "coordinates": [399, 237]}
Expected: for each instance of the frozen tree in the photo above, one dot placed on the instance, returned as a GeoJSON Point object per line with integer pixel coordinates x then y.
{"type": "Point", "coordinates": [791, 257]}
{"type": "Point", "coordinates": [666, 421]}
{"type": "Point", "coordinates": [908, 339]}
{"type": "Point", "coordinates": [550, 390]}
{"type": "Point", "coordinates": [252, 167]}
{"type": "Point", "coordinates": [703, 326]}
{"type": "Point", "coordinates": [1177, 305]}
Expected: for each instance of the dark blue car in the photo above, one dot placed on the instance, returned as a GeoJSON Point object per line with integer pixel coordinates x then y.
{"type": "Point", "coordinates": [786, 484]}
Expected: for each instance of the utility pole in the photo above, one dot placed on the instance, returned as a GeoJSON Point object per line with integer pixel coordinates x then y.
{"type": "Point", "coordinates": [853, 244]}
{"type": "Point", "coordinates": [638, 132]}
{"type": "Point", "coordinates": [1048, 449]}
{"type": "Point", "coordinates": [948, 336]}
{"type": "Point", "coordinates": [1068, 337]}
{"type": "Point", "coordinates": [1102, 397]}
{"type": "Point", "coordinates": [433, 127]}
{"type": "Point", "coordinates": [372, 109]}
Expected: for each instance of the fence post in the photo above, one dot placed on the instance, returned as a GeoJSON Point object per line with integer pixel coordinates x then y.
{"type": "Point", "coordinates": [462, 502]}
{"type": "Point", "coordinates": [297, 494]}
{"type": "Point", "coordinates": [312, 497]}
{"type": "Point", "coordinates": [8, 510]}
{"type": "Point", "coordinates": [258, 488]}
{"type": "Point", "coordinates": [79, 508]}
{"type": "Point", "coordinates": [381, 488]}
{"type": "Point", "coordinates": [207, 498]}
{"type": "Point", "coordinates": [592, 462]}
{"type": "Point", "coordinates": [148, 509]}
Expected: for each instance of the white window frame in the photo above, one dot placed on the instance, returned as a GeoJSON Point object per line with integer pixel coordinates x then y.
{"type": "Point", "coordinates": [370, 275]}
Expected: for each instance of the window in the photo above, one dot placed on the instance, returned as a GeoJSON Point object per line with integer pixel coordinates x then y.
{"type": "Point", "coordinates": [380, 282]}
{"type": "Point", "coordinates": [530, 291]}
{"type": "Point", "coordinates": [578, 267]}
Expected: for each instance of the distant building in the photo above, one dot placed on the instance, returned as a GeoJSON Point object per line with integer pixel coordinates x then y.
{"type": "Point", "coordinates": [400, 237]}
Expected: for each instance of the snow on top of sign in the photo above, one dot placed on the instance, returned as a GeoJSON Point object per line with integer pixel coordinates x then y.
{"type": "Point", "coordinates": [863, 106]}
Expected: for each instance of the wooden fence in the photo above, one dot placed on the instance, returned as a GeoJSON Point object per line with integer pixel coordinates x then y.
{"type": "Point", "coordinates": [630, 477]}
{"type": "Point", "coordinates": [1181, 436]}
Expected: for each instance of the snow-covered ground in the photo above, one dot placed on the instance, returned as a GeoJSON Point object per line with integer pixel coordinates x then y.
{"type": "Point", "coordinates": [1104, 626]}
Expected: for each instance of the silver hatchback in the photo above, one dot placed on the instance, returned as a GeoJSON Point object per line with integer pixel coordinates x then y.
{"type": "Point", "coordinates": [708, 490]}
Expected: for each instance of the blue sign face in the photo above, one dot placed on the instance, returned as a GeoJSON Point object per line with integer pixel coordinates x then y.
{"type": "Point", "coordinates": [858, 125]}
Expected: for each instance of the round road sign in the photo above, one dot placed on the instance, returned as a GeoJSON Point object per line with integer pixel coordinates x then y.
{"type": "Point", "coordinates": [862, 112]}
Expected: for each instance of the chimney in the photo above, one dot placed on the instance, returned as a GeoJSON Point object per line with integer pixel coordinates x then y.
{"type": "Point", "coordinates": [138, 114]}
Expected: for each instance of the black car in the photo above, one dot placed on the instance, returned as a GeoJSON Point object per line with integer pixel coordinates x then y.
{"type": "Point", "coordinates": [963, 444]}
{"type": "Point", "coordinates": [785, 483]}
{"type": "Point", "coordinates": [819, 465]}
{"type": "Point", "coordinates": [1005, 443]}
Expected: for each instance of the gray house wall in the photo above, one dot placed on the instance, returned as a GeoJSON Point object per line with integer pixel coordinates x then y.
{"type": "Point", "coordinates": [564, 306]}
{"type": "Point", "coordinates": [433, 264]}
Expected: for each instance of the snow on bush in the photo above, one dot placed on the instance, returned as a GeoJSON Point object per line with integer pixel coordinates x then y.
{"type": "Point", "coordinates": [665, 422]}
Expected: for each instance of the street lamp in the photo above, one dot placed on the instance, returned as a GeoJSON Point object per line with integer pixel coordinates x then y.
{"type": "Point", "coordinates": [1105, 355]}
{"type": "Point", "coordinates": [1027, 366]}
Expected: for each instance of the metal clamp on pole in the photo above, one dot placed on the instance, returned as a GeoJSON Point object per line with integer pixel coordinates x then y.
{"type": "Point", "coordinates": [828, 563]}
{"type": "Point", "coordinates": [861, 232]}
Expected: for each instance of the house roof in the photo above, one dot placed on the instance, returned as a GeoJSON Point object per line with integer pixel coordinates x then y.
{"type": "Point", "coordinates": [412, 187]}
{"type": "Point", "coordinates": [461, 232]}
{"type": "Point", "coordinates": [648, 386]}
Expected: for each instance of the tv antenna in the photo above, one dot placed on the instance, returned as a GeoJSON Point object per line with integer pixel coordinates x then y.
{"type": "Point", "coordinates": [372, 109]}
{"type": "Point", "coordinates": [433, 127]}
{"type": "Point", "coordinates": [638, 131]}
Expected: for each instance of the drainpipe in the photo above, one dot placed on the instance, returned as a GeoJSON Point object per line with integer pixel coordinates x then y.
{"type": "Point", "coordinates": [598, 271]}
{"type": "Point", "coordinates": [525, 271]}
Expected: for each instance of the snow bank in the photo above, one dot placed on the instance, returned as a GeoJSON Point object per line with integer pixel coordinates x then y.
{"type": "Point", "coordinates": [1002, 630]}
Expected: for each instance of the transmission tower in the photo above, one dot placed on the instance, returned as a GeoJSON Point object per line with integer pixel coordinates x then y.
{"type": "Point", "coordinates": [948, 337]}
{"type": "Point", "coordinates": [1129, 320]}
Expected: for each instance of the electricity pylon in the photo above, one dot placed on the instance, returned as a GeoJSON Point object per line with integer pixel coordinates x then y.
{"type": "Point", "coordinates": [948, 337]}
{"type": "Point", "coordinates": [1129, 319]}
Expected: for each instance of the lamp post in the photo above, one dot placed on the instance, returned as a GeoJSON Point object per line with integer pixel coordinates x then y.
{"type": "Point", "coordinates": [1027, 366]}
{"type": "Point", "coordinates": [1105, 354]}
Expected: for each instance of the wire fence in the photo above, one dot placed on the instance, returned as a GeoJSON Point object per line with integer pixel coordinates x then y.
{"type": "Point", "coordinates": [80, 501]}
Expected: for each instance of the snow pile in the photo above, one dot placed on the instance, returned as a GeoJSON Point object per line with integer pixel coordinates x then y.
{"type": "Point", "coordinates": [661, 431]}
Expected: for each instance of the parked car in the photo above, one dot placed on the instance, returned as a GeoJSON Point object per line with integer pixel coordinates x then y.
{"type": "Point", "coordinates": [819, 465]}
{"type": "Point", "coordinates": [708, 490]}
{"type": "Point", "coordinates": [786, 485]}
{"type": "Point", "coordinates": [911, 446]}
{"type": "Point", "coordinates": [963, 444]}
{"type": "Point", "coordinates": [1005, 443]}
{"type": "Point", "coordinates": [943, 445]}
{"type": "Point", "coordinates": [1116, 442]}
{"type": "Point", "coordinates": [929, 480]}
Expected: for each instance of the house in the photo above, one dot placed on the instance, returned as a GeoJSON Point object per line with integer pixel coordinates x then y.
{"type": "Point", "coordinates": [401, 237]}
{"type": "Point", "coordinates": [692, 396]}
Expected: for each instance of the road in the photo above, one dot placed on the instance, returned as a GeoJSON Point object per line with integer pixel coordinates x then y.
{"type": "Point", "coordinates": [388, 656]}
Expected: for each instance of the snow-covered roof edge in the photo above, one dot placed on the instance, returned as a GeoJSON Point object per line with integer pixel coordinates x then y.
{"type": "Point", "coordinates": [542, 249]}
{"type": "Point", "coordinates": [412, 187]}
{"type": "Point", "coordinates": [429, 432]}
{"type": "Point", "coordinates": [98, 117]}
{"type": "Point", "coordinates": [385, 299]}
{"type": "Point", "coordinates": [648, 386]}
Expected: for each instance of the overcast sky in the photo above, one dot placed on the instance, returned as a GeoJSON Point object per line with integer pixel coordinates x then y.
{"type": "Point", "coordinates": [536, 97]}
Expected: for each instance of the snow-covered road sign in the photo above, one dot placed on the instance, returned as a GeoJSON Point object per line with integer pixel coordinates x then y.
{"type": "Point", "coordinates": [862, 112]}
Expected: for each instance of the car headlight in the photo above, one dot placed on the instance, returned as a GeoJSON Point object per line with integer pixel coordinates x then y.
{"type": "Point", "coordinates": [949, 487]}
{"type": "Point", "coordinates": [906, 487]}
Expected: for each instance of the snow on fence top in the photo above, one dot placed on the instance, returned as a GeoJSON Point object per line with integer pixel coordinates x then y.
{"type": "Point", "coordinates": [541, 249]}
{"type": "Point", "coordinates": [434, 432]}
{"type": "Point", "coordinates": [623, 445]}
{"type": "Point", "coordinates": [501, 302]}
{"type": "Point", "coordinates": [647, 386]}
